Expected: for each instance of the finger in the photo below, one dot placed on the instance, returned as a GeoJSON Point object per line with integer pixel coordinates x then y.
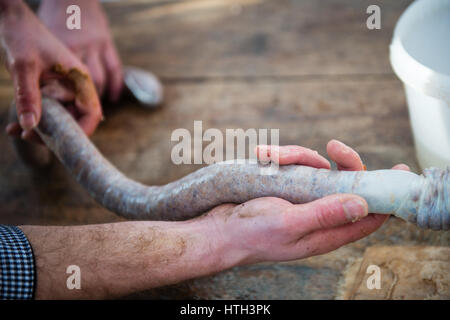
{"type": "Point", "coordinates": [31, 136]}
{"type": "Point", "coordinates": [89, 120]}
{"type": "Point", "coordinates": [345, 157]}
{"type": "Point", "coordinates": [88, 106]}
{"type": "Point", "coordinates": [114, 71]}
{"type": "Point", "coordinates": [326, 240]}
{"type": "Point", "coordinates": [79, 51]}
{"type": "Point", "coordinates": [285, 155]}
{"type": "Point", "coordinates": [401, 166]}
{"type": "Point", "coordinates": [327, 212]}
{"type": "Point", "coordinates": [14, 129]}
{"type": "Point", "coordinates": [27, 94]}
{"type": "Point", "coordinates": [87, 103]}
{"type": "Point", "coordinates": [96, 70]}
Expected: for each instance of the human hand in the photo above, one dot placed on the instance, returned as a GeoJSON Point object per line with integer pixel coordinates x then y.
{"type": "Point", "coordinates": [273, 229]}
{"type": "Point", "coordinates": [92, 44]}
{"type": "Point", "coordinates": [40, 64]}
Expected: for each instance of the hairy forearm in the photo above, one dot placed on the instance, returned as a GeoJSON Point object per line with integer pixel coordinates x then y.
{"type": "Point", "coordinates": [122, 258]}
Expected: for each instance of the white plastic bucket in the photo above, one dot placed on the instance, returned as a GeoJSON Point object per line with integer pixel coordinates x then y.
{"type": "Point", "coordinates": [420, 56]}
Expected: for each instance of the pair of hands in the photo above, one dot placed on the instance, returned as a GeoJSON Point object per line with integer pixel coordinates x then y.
{"type": "Point", "coordinates": [273, 229]}
{"type": "Point", "coordinates": [121, 258]}
{"type": "Point", "coordinates": [41, 55]}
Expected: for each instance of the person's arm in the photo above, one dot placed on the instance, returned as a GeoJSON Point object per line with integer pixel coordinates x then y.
{"type": "Point", "coordinates": [39, 63]}
{"type": "Point", "coordinates": [121, 258]}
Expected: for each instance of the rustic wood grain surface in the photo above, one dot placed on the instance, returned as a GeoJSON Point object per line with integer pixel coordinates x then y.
{"type": "Point", "coordinates": [310, 68]}
{"type": "Point", "coordinates": [416, 272]}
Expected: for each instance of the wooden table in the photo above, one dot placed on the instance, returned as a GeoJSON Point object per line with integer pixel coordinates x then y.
{"type": "Point", "coordinates": [310, 68]}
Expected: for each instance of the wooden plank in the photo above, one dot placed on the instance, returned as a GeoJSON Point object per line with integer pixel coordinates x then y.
{"type": "Point", "coordinates": [252, 38]}
{"type": "Point", "coordinates": [406, 273]}
{"type": "Point", "coordinates": [261, 281]}
{"type": "Point", "coordinates": [228, 38]}
{"type": "Point", "coordinates": [369, 115]}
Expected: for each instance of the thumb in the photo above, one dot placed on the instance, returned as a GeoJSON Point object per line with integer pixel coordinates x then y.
{"type": "Point", "coordinates": [330, 212]}
{"type": "Point", "coordinates": [28, 96]}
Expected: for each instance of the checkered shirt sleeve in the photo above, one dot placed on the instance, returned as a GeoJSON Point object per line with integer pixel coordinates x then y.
{"type": "Point", "coordinates": [17, 271]}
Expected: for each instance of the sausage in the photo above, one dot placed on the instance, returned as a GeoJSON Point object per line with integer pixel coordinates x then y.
{"type": "Point", "coordinates": [420, 199]}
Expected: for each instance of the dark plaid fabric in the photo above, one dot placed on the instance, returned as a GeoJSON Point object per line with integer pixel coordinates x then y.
{"type": "Point", "coordinates": [17, 272]}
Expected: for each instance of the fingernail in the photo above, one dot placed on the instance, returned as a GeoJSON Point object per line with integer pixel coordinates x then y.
{"type": "Point", "coordinates": [27, 121]}
{"type": "Point", "coordinates": [344, 147]}
{"type": "Point", "coordinates": [24, 135]}
{"type": "Point", "coordinates": [354, 210]}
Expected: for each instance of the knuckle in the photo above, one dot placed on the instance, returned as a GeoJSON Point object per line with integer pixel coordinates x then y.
{"type": "Point", "coordinates": [301, 153]}
{"type": "Point", "coordinates": [98, 79]}
{"type": "Point", "coordinates": [25, 100]}
{"type": "Point", "coordinates": [24, 63]}
{"type": "Point", "coordinates": [276, 201]}
{"type": "Point", "coordinates": [23, 107]}
{"type": "Point", "coordinates": [321, 216]}
{"type": "Point", "coordinates": [75, 48]}
{"type": "Point", "coordinates": [83, 68]}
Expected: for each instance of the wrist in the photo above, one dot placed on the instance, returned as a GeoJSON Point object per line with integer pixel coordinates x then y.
{"type": "Point", "coordinates": [207, 247]}
{"type": "Point", "coordinates": [225, 243]}
{"type": "Point", "coordinates": [193, 248]}
{"type": "Point", "coordinates": [217, 247]}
